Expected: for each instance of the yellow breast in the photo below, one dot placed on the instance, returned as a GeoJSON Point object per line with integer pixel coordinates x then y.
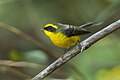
{"type": "Point", "coordinates": [60, 40]}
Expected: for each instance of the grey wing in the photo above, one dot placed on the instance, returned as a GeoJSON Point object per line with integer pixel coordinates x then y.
{"type": "Point", "coordinates": [70, 30]}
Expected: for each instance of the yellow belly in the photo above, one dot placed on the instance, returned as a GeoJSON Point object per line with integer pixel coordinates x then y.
{"type": "Point", "coordinates": [61, 40]}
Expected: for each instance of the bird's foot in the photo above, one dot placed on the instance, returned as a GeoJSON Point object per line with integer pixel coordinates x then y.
{"type": "Point", "coordinates": [63, 53]}
{"type": "Point", "coordinates": [83, 48]}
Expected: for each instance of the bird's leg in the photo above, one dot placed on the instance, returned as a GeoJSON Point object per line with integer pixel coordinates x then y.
{"type": "Point", "coordinates": [79, 46]}
{"type": "Point", "coordinates": [63, 53]}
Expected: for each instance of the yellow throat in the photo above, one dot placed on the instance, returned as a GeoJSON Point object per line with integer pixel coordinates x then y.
{"type": "Point", "coordinates": [59, 39]}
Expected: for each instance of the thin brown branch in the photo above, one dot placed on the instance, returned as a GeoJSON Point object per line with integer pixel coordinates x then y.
{"type": "Point", "coordinates": [15, 72]}
{"type": "Point", "coordinates": [76, 50]}
{"type": "Point", "coordinates": [20, 64]}
{"type": "Point", "coordinates": [18, 73]}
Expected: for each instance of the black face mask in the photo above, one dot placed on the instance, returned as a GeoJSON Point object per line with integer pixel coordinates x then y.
{"type": "Point", "coordinates": [50, 28]}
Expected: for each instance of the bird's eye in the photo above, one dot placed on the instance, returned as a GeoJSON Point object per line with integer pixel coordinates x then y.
{"type": "Point", "coordinates": [50, 28]}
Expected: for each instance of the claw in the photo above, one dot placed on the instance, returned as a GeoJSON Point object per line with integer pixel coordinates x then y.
{"type": "Point", "coordinates": [83, 47]}
{"type": "Point", "coordinates": [63, 53]}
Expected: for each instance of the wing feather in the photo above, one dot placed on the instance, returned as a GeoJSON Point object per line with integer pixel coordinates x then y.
{"type": "Point", "coordinates": [70, 30]}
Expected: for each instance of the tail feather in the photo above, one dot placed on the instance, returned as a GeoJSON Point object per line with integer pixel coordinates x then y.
{"type": "Point", "coordinates": [89, 24]}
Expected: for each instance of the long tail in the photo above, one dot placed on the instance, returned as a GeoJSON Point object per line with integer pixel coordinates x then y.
{"type": "Point", "coordinates": [90, 24]}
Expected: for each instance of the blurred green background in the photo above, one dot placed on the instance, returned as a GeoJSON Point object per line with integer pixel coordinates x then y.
{"type": "Point", "coordinates": [25, 50]}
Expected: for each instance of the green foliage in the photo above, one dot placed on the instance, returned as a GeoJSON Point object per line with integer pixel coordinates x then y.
{"type": "Point", "coordinates": [30, 16]}
{"type": "Point", "coordinates": [14, 55]}
{"type": "Point", "coordinates": [109, 74]}
{"type": "Point", "coordinates": [36, 56]}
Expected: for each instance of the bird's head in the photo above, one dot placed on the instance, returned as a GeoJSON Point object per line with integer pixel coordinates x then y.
{"type": "Point", "coordinates": [50, 28]}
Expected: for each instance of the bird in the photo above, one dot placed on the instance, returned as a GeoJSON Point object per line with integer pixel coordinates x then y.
{"type": "Point", "coordinates": [64, 35]}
